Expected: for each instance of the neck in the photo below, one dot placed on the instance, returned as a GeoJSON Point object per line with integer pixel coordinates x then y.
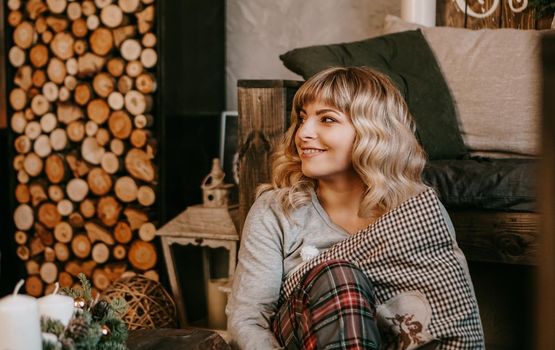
{"type": "Point", "coordinates": [341, 201]}
{"type": "Point", "coordinates": [345, 194]}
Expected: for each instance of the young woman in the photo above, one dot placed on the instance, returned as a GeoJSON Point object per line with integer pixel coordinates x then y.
{"type": "Point", "coordinates": [347, 226]}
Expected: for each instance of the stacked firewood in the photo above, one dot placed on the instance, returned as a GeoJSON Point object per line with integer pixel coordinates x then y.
{"type": "Point", "coordinates": [84, 147]}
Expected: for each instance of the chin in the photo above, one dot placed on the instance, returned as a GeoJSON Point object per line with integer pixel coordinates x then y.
{"type": "Point", "coordinates": [310, 173]}
{"type": "Point", "coordinates": [307, 173]}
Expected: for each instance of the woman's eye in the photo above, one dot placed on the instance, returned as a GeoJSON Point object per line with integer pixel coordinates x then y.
{"type": "Point", "coordinates": [301, 120]}
{"type": "Point", "coordinates": [328, 120]}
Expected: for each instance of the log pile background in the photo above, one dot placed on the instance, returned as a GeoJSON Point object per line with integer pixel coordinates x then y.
{"type": "Point", "coordinates": [85, 152]}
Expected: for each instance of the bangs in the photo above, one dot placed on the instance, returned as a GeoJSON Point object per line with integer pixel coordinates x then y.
{"type": "Point", "coordinates": [329, 89]}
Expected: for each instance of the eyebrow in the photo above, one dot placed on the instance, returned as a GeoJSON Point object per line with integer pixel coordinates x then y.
{"type": "Point", "coordinates": [321, 111]}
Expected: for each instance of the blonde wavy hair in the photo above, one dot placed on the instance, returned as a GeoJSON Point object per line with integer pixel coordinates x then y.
{"type": "Point", "coordinates": [386, 154]}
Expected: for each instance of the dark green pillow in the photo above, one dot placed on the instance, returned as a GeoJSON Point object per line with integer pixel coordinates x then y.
{"type": "Point", "coordinates": [408, 60]}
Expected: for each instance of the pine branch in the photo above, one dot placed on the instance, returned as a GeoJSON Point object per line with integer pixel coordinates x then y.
{"type": "Point", "coordinates": [87, 288]}
{"type": "Point", "coordinates": [90, 341]}
{"type": "Point", "coordinates": [74, 293]}
{"type": "Point", "coordinates": [48, 325]}
{"type": "Point", "coordinates": [119, 306]}
{"type": "Point", "coordinates": [48, 345]}
{"type": "Point", "coordinates": [84, 331]}
{"type": "Point", "coordinates": [112, 346]}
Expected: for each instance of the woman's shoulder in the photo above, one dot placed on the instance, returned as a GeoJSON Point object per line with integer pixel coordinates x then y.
{"type": "Point", "coordinates": [268, 197]}
{"type": "Point", "coordinates": [266, 214]}
{"type": "Point", "coordinates": [272, 200]}
{"type": "Point", "coordinates": [266, 202]}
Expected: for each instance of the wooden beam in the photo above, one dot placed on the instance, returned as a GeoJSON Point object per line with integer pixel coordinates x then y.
{"type": "Point", "coordinates": [448, 14]}
{"type": "Point", "coordinates": [500, 237]}
{"type": "Point", "coordinates": [262, 123]}
{"type": "Point", "coordinates": [519, 20]}
{"type": "Point", "coordinates": [476, 6]}
{"type": "Point", "coordinates": [544, 22]}
{"type": "Point", "coordinates": [546, 271]}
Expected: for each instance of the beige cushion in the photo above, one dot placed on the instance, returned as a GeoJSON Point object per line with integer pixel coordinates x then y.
{"type": "Point", "coordinates": [494, 77]}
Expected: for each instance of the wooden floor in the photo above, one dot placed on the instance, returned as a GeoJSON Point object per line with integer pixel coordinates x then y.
{"type": "Point", "coordinates": [170, 339]}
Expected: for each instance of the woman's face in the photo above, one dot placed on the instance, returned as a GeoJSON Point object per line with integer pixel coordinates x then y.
{"type": "Point", "coordinates": [324, 141]}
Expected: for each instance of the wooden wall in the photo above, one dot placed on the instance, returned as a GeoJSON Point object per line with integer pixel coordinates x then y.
{"type": "Point", "coordinates": [474, 15]}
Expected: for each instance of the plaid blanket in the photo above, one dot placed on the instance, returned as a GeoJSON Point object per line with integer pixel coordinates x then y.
{"type": "Point", "coordinates": [410, 249]}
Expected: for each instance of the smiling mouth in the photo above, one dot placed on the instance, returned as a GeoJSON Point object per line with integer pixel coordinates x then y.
{"type": "Point", "coordinates": [311, 151]}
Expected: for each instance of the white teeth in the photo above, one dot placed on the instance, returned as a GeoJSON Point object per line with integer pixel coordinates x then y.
{"type": "Point", "coordinates": [312, 150]}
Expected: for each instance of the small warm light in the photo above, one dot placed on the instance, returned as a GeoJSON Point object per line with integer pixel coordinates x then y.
{"type": "Point", "coordinates": [105, 330]}
{"type": "Point", "coordinates": [79, 302]}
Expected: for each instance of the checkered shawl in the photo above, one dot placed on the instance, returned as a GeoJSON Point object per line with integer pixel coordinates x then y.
{"type": "Point", "coordinates": [410, 249]}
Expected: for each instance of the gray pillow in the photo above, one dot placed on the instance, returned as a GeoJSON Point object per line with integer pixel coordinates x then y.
{"type": "Point", "coordinates": [495, 80]}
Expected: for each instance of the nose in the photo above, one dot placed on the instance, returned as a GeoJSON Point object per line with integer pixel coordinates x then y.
{"type": "Point", "coordinates": [307, 130]}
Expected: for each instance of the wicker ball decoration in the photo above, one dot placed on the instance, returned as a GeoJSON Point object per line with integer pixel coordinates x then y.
{"type": "Point", "coordinates": [148, 304]}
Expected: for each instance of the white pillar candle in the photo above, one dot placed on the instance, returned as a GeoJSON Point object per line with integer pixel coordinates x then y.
{"type": "Point", "coordinates": [57, 307]}
{"type": "Point", "coordinates": [19, 322]}
{"type": "Point", "coordinates": [419, 11]}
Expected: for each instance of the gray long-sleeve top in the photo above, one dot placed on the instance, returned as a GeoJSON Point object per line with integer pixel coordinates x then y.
{"type": "Point", "coordinates": [271, 246]}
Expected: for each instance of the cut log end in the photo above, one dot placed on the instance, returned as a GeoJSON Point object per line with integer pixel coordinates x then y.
{"type": "Point", "coordinates": [81, 246]}
{"type": "Point", "coordinates": [146, 196]}
{"type": "Point", "coordinates": [49, 272]}
{"type": "Point", "coordinates": [101, 41]}
{"type": "Point", "coordinates": [100, 279]}
{"type": "Point", "coordinates": [147, 232]}
{"type": "Point", "coordinates": [65, 207]}
{"type": "Point", "coordinates": [63, 232]}
{"type": "Point", "coordinates": [34, 286]}
{"type": "Point", "coordinates": [142, 255]}
{"type": "Point", "coordinates": [108, 210]}
{"type": "Point", "coordinates": [139, 165]}
{"type": "Point", "coordinates": [98, 233]}
{"type": "Point", "coordinates": [122, 232]}
{"type": "Point", "coordinates": [24, 217]}
{"type": "Point", "coordinates": [100, 253]}
{"type": "Point", "coordinates": [126, 189]}
{"type": "Point", "coordinates": [77, 189]}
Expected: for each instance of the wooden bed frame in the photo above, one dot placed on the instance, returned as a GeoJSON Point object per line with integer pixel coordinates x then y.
{"type": "Point", "coordinates": [264, 109]}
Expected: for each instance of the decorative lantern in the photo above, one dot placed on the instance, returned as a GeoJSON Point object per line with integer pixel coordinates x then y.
{"type": "Point", "coordinates": [215, 194]}
{"type": "Point", "coordinates": [210, 225]}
